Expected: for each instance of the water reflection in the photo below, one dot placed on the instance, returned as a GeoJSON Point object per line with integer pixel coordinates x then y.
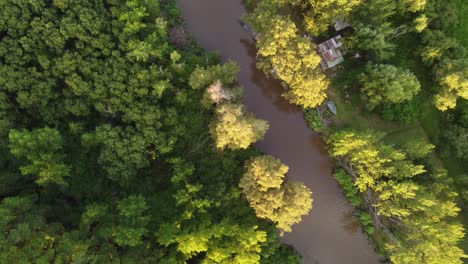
{"type": "Point", "coordinates": [349, 222]}
{"type": "Point", "coordinates": [270, 87]}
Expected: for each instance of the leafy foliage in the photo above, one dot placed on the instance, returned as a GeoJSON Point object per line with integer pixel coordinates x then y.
{"type": "Point", "coordinates": [272, 197]}
{"type": "Point", "coordinates": [42, 148]}
{"type": "Point", "coordinates": [105, 109]}
{"type": "Point", "coordinates": [349, 189]}
{"type": "Point", "coordinates": [202, 77]}
{"type": "Point", "coordinates": [417, 149]}
{"type": "Point", "coordinates": [453, 79]}
{"type": "Point", "coordinates": [406, 112]}
{"type": "Point", "coordinates": [366, 221]}
{"type": "Point", "coordinates": [373, 40]}
{"type": "Point", "coordinates": [319, 15]}
{"type": "Point", "coordinates": [288, 57]}
{"type": "Point", "coordinates": [313, 120]}
{"type": "Point", "coordinates": [457, 137]}
{"type": "Point", "coordinates": [423, 212]}
{"type": "Point", "coordinates": [234, 128]}
{"type": "Point", "coordinates": [387, 84]}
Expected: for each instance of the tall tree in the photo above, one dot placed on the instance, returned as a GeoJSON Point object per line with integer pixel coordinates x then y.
{"type": "Point", "coordinates": [417, 149]}
{"type": "Point", "coordinates": [319, 14]}
{"type": "Point", "coordinates": [42, 148]}
{"type": "Point", "coordinates": [438, 47]}
{"type": "Point", "coordinates": [412, 5]}
{"type": "Point", "coordinates": [453, 80]}
{"type": "Point", "coordinates": [420, 216]}
{"type": "Point", "coordinates": [290, 58]}
{"type": "Point", "coordinates": [370, 159]}
{"type": "Point", "coordinates": [375, 41]}
{"type": "Point", "coordinates": [272, 197]}
{"type": "Point", "coordinates": [387, 84]}
{"type": "Point", "coordinates": [235, 128]}
{"type": "Point", "coordinates": [203, 77]}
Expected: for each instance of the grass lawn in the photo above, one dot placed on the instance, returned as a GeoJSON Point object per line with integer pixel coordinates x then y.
{"type": "Point", "coordinates": [352, 113]}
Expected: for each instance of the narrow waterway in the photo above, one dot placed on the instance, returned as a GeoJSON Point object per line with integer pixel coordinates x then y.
{"type": "Point", "coordinates": [328, 235]}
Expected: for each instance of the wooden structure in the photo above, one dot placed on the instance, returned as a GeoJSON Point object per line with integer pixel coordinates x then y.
{"type": "Point", "coordinates": [330, 52]}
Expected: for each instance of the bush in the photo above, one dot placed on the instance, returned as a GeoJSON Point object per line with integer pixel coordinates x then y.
{"type": "Point", "coordinates": [313, 119]}
{"type": "Point", "coordinates": [349, 189]}
{"type": "Point", "coordinates": [418, 148]}
{"type": "Point", "coordinates": [352, 195]}
{"type": "Point", "coordinates": [366, 221]}
{"type": "Point", "coordinates": [250, 4]}
{"type": "Point", "coordinates": [405, 112]}
{"type": "Point", "coordinates": [283, 255]}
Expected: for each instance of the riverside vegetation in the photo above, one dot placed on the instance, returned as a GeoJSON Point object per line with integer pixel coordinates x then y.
{"type": "Point", "coordinates": [402, 156]}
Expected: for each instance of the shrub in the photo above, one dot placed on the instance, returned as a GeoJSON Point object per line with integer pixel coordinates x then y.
{"type": "Point", "coordinates": [313, 119]}
{"type": "Point", "coordinates": [366, 221]}
{"type": "Point", "coordinates": [349, 189]}
{"type": "Point", "coordinates": [405, 112]}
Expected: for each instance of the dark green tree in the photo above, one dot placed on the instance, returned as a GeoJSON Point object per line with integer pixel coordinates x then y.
{"type": "Point", "coordinates": [42, 150]}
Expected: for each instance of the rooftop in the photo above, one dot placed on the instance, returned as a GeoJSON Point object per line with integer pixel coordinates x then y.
{"type": "Point", "coordinates": [330, 52]}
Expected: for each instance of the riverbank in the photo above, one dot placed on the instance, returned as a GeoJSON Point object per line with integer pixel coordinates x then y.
{"type": "Point", "coordinates": [385, 133]}
{"type": "Point", "coordinates": [329, 234]}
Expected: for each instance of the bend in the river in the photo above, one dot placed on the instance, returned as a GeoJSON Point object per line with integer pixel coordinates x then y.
{"type": "Point", "coordinates": [329, 234]}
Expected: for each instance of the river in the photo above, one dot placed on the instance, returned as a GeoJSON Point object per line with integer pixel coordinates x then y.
{"type": "Point", "coordinates": [329, 234]}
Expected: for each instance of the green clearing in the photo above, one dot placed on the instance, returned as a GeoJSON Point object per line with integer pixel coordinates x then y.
{"type": "Point", "coordinates": [352, 113]}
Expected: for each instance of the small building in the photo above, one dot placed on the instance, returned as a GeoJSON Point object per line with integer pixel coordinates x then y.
{"type": "Point", "coordinates": [330, 52]}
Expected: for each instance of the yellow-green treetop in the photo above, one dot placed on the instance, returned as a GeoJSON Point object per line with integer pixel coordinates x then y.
{"type": "Point", "coordinates": [319, 14]}
{"type": "Point", "coordinates": [235, 128]}
{"type": "Point", "coordinates": [423, 213]}
{"type": "Point", "coordinates": [271, 197]}
{"type": "Point", "coordinates": [453, 80]}
{"type": "Point", "coordinates": [413, 5]}
{"type": "Point", "coordinates": [290, 58]}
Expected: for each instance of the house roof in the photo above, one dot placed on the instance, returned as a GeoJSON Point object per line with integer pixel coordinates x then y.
{"type": "Point", "coordinates": [330, 52]}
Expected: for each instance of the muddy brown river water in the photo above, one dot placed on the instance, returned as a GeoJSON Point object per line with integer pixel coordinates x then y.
{"type": "Point", "coordinates": [329, 234]}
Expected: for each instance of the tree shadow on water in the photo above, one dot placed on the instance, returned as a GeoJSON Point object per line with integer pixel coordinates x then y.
{"type": "Point", "coordinates": [270, 87]}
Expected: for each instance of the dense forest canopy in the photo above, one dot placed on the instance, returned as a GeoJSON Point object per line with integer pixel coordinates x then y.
{"type": "Point", "coordinates": [106, 155]}
{"type": "Point", "coordinates": [122, 141]}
